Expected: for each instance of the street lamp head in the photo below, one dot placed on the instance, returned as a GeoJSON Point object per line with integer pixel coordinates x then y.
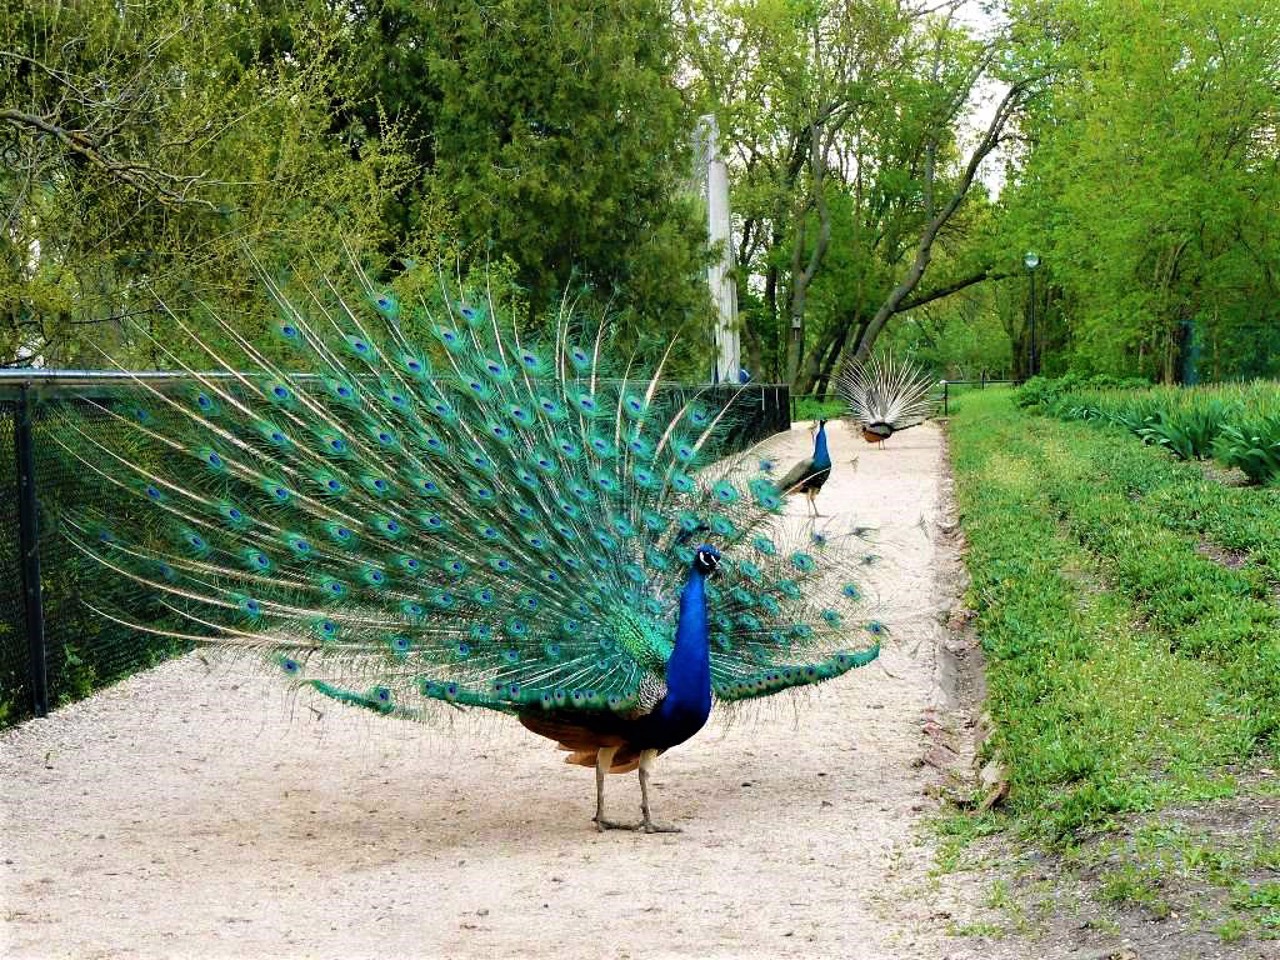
{"type": "Point", "coordinates": [1031, 259]}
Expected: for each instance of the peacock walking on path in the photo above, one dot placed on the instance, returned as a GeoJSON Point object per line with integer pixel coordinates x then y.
{"type": "Point", "coordinates": [477, 521]}
{"type": "Point", "coordinates": [885, 396]}
{"type": "Point", "coordinates": [809, 475]}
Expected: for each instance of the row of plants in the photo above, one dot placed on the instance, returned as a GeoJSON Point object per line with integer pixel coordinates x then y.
{"type": "Point", "coordinates": [1124, 602]}
{"type": "Point", "coordinates": [1237, 424]}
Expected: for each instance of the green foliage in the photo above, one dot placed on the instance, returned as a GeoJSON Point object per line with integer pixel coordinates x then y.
{"type": "Point", "coordinates": [554, 135]}
{"type": "Point", "coordinates": [1253, 445]}
{"type": "Point", "coordinates": [1149, 187]}
{"type": "Point", "coordinates": [1047, 392]}
{"type": "Point", "coordinates": [1238, 424]}
{"type": "Point", "coordinates": [1127, 666]}
{"type": "Point", "coordinates": [550, 140]}
{"type": "Point", "coordinates": [196, 138]}
{"type": "Point", "coordinates": [813, 408]}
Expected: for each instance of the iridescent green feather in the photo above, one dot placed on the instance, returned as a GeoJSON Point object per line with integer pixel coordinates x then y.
{"type": "Point", "coordinates": [473, 519]}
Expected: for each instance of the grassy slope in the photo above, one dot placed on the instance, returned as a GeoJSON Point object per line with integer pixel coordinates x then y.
{"type": "Point", "coordinates": [1126, 607]}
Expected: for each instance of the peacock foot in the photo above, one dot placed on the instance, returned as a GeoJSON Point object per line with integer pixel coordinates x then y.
{"type": "Point", "coordinates": [602, 825]}
{"type": "Point", "coordinates": [648, 826]}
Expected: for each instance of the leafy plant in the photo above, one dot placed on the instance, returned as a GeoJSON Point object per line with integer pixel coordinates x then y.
{"type": "Point", "coordinates": [1253, 446]}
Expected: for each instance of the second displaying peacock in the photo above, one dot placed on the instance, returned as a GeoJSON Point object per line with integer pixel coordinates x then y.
{"type": "Point", "coordinates": [482, 522]}
{"type": "Point", "coordinates": [885, 395]}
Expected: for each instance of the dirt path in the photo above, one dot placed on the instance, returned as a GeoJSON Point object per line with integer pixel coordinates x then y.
{"type": "Point", "coordinates": [186, 813]}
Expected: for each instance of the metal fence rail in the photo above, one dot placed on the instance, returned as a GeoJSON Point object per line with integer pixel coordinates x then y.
{"type": "Point", "coordinates": [982, 384]}
{"type": "Point", "coordinates": [941, 397]}
{"type": "Point", "coordinates": [53, 648]}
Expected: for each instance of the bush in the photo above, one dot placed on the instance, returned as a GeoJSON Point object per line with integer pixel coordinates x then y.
{"type": "Point", "coordinates": [1045, 392]}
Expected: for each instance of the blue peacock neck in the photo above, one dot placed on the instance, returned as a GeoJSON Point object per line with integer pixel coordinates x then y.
{"type": "Point", "coordinates": [688, 699]}
{"type": "Point", "coordinates": [821, 456]}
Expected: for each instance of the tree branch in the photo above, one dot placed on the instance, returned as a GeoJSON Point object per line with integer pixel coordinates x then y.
{"type": "Point", "coordinates": [164, 186]}
{"type": "Point", "coordinates": [924, 248]}
{"type": "Point", "coordinates": [948, 289]}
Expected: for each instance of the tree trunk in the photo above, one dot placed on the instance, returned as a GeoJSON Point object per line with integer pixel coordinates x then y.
{"type": "Point", "coordinates": [924, 248]}
{"type": "Point", "coordinates": [801, 278]}
{"type": "Point", "coordinates": [755, 362]}
{"type": "Point", "coordinates": [821, 361]}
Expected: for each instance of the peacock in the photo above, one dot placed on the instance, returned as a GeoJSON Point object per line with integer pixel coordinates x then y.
{"type": "Point", "coordinates": [809, 475]}
{"type": "Point", "coordinates": [885, 395]}
{"type": "Point", "coordinates": [409, 507]}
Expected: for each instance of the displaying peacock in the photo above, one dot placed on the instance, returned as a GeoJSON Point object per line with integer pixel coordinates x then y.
{"type": "Point", "coordinates": [885, 395]}
{"type": "Point", "coordinates": [809, 475]}
{"type": "Point", "coordinates": [476, 521]}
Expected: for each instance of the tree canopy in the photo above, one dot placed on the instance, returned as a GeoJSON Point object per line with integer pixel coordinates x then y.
{"type": "Point", "coordinates": [1149, 182]}
{"type": "Point", "coordinates": [890, 163]}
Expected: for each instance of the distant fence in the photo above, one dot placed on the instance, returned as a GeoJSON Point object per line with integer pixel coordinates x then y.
{"type": "Point", "coordinates": [949, 388]}
{"type": "Point", "coordinates": [941, 397]}
{"type": "Point", "coordinates": [53, 648]}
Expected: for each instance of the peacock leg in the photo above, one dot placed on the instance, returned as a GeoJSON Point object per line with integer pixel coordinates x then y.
{"type": "Point", "coordinates": [647, 757]}
{"type": "Point", "coordinates": [604, 760]}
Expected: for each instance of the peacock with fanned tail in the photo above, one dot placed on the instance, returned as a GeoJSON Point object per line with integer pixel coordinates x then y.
{"type": "Point", "coordinates": [885, 395]}
{"type": "Point", "coordinates": [481, 522]}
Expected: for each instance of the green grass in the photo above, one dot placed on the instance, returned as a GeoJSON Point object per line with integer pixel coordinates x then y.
{"type": "Point", "coordinates": [1125, 605]}
{"type": "Point", "coordinates": [812, 408]}
{"type": "Point", "coordinates": [1238, 424]}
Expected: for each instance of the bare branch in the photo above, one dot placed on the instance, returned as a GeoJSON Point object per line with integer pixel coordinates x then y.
{"type": "Point", "coordinates": [167, 187]}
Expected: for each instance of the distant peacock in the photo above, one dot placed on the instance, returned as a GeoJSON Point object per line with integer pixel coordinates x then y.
{"type": "Point", "coordinates": [885, 395]}
{"type": "Point", "coordinates": [478, 521]}
{"type": "Point", "coordinates": [810, 474]}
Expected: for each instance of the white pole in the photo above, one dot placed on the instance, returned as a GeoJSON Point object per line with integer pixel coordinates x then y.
{"type": "Point", "coordinates": [723, 290]}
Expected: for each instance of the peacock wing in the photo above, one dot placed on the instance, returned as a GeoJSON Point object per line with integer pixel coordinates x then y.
{"type": "Point", "coordinates": [796, 475]}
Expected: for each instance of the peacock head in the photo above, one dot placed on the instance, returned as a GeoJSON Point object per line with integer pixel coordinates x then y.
{"type": "Point", "coordinates": [707, 560]}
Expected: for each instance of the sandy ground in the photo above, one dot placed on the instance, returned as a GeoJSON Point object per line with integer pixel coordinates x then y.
{"type": "Point", "coordinates": [190, 813]}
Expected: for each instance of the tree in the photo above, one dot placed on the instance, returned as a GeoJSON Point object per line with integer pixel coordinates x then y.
{"type": "Point", "coordinates": [849, 175]}
{"type": "Point", "coordinates": [146, 148]}
{"type": "Point", "coordinates": [555, 135]}
{"type": "Point", "coordinates": [1150, 180]}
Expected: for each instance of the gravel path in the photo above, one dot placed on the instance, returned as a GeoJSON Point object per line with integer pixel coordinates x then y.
{"type": "Point", "coordinates": [192, 812]}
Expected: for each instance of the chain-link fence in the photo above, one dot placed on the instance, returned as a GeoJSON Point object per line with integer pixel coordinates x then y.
{"type": "Point", "coordinates": [54, 648]}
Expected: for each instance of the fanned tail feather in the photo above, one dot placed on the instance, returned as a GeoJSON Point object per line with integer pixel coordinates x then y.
{"type": "Point", "coordinates": [885, 395]}
{"type": "Point", "coordinates": [482, 521]}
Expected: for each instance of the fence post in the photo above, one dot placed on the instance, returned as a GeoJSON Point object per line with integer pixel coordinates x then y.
{"type": "Point", "coordinates": [945, 385]}
{"type": "Point", "coordinates": [29, 548]}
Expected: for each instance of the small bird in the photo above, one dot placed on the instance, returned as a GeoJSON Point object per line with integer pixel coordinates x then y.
{"type": "Point", "coordinates": [478, 522]}
{"type": "Point", "coordinates": [810, 474]}
{"type": "Point", "coordinates": [885, 396]}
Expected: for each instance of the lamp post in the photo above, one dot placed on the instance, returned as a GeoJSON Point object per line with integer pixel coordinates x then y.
{"type": "Point", "coordinates": [1032, 260]}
